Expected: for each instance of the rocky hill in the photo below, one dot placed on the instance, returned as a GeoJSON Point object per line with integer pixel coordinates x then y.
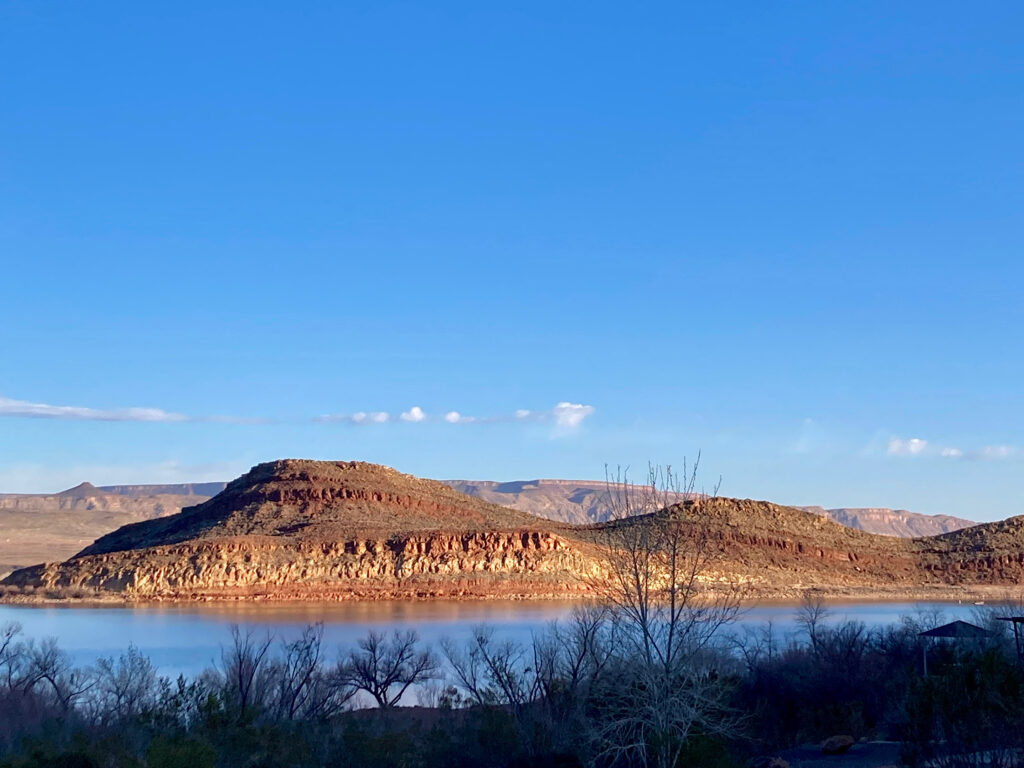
{"type": "Point", "coordinates": [586, 501]}
{"type": "Point", "coordinates": [296, 529]}
{"type": "Point", "coordinates": [36, 527]}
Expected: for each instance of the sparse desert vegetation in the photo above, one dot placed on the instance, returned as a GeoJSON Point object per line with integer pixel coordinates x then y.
{"type": "Point", "coordinates": [583, 692]}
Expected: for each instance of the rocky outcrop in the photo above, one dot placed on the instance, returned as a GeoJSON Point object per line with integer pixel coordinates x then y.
{"type": "Point", "coordinates": [837, 745]}
{"type": "Point", "coordinates": [36, 527]}
{"type": "Point", "coordinates": [297, 529]}
{"type": "Point", "coordinates": [520, 563]}
{"type": "Point", "coordinates": [293, 529]}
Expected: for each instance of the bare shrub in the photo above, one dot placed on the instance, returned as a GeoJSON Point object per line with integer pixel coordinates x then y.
{"type": "Point", "coordinates": [245, 673]}
{"type": "Point", "coordinates": [124, 688]}
{"type": "Point", "coordinates": [50, 667]}
{"type": "Point", "coordinates": [812, 614]}
{"type": "Point", "coordinates": [385, 666]}
{"type": "Point", "coordinates": [302, 688]}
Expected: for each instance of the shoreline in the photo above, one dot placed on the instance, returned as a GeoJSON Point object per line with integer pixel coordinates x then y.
{"type": "Point", "coordinates": [925, 593]}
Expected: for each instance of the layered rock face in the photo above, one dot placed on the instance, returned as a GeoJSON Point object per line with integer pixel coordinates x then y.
{"type": "Point", "coordinates": [512, 564]}
{"type": "Point", "coordinates": [293, 529]}
{"type": "Point", "coordinates": [297, 529]}
{"type": "Point", "coordinates": [36, 527]}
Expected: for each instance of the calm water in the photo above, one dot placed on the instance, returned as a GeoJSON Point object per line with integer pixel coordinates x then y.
{"type": "Point", "coordinates": [187, 638]}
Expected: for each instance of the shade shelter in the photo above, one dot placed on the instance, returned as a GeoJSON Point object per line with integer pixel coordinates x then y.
{"type": "Point", "coordinates": [955, 630]}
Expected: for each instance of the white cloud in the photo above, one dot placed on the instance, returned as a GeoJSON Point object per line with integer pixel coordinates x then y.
{"type": "Point", "coordinates": [994, 452]}
{"type": "Point", "coordinates": [359, 417]}
{"type": "Point", "coordinates": [374, 417]}
{"type": "Point", "coordinates": [570, 415]}
{"type": "Point", "coordinates": [414, 414]}
{"type": "Point", "coordinates": [912, 447]}
{"type": "Point", "coordinates": [565, 416]}
{"type": "Point", "coordinates": [916, 447]}
{"type": "Point", "coordinates": [26, 409]}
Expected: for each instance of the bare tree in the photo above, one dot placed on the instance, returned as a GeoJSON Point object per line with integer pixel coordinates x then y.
{"type": "Point", "coordinates": [48, 664]}
{"type": "Point", "coordinates": [538, 684]}
{"type": "Point", "coordinates": [245, 670]}
{"type": "Point", "coordinates": [756, 645]}
{"type": "Point", "coordinates": [13, 660]}
{"type": "Point", "coordinates": [126, 687]}
{"type": "Point", "coordinates": [663, 683]}
{"type": "Point", "coordinates": [810, 616]}
{"type": "Point", "coordinates": [303, 689]}
{"type": "Point", "coordinates": [497, 672]}
{"type": "Point", "coordinates": [570, 656]}
{"type": "Point", "coordinates": [386, 666]}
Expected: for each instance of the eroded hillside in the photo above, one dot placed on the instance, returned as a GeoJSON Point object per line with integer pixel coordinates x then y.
{"type": "Point", "coordinates": [296, 529]}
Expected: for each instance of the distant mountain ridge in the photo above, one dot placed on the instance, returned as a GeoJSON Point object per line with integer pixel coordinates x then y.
{"type": "Point", "coordinates": [179, 489]}
{"type": "Point", "coordinates": [893, 522]}
{"type": "Point", "coordinates": [41, 526]}
{"type": "Point", "coordinates": [586, 501]}
{"type": "Point", "coordinates": [37, 527]}
{"type": "Point", "coordinates": [298, 529]}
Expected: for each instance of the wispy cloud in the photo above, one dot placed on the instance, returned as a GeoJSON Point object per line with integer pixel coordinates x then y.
{"type": "Point", "coordinates": [571, 415]}
{"type": "Point", "coordinates": [26, 409]}
{"type": "Point", "coordinates": [913, 446]}
{"type": "Point", "coordinates": [916, 446]}
{"type": "Point", "coordinates": [985, 453]}
{"type": "Point", "coordinates": [995, 452]}
{"type": "Point", "coordinates": [566, 416]}
{"type": "Point", "coordinates": [358, 418]}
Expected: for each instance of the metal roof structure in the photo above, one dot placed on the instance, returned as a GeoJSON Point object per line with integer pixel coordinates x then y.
{"type": "Point", "coordinates": [955, 630]}
{"type": "Point", "coordinates": [958, 630]}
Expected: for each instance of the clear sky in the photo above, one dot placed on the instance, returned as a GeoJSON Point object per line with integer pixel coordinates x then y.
{"type": "Point", "coordinates": [787, 235]}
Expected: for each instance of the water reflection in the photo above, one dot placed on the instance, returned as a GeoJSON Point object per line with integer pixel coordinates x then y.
{"type": "Point", "coordinates": [182, 638]}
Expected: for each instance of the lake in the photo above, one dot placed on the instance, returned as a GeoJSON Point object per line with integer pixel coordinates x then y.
{"type": "Point", "coordinates": [187, 638]}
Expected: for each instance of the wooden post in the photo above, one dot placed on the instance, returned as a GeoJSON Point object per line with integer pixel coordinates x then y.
{"type": "Point", "coordinates": [1016, 641]}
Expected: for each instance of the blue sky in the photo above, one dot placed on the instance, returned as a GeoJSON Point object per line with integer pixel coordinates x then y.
{"type": "Point", "coordinates": [787, 235]}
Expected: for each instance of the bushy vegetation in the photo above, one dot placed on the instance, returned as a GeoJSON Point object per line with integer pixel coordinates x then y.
{"type": "Point", "coordinates": [582, 693]}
